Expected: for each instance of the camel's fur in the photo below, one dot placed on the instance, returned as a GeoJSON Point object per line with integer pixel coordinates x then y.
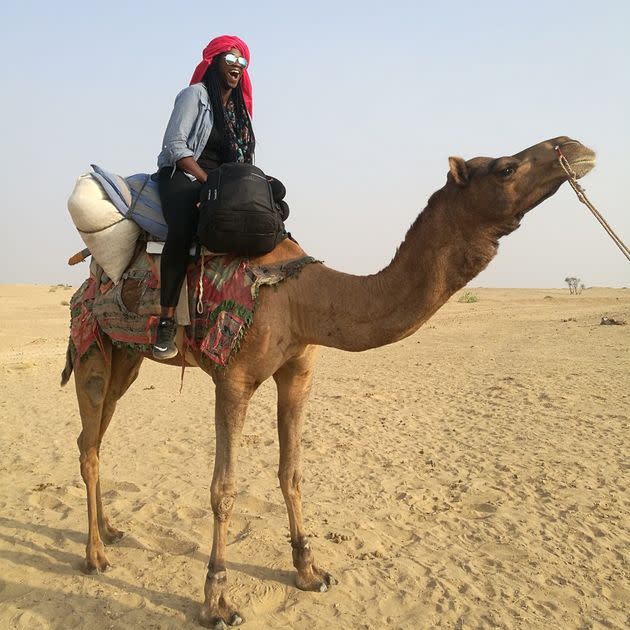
{"type": "Point", "coordinates": [450, 242]}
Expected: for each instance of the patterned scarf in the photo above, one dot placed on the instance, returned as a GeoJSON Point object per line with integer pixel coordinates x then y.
{"type": "Point", "coordinates": [239, 137]}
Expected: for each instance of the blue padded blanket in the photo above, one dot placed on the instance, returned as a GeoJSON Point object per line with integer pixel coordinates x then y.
{"type": "Point", "coordinates": [136, 197]}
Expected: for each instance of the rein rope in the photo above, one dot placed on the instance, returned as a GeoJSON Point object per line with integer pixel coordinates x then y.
{"type": "Point", "coordinates": [581, 195]}
{"type": "Point", "coordinates": [200, 286]}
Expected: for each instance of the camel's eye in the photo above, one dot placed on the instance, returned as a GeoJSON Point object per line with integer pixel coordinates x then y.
{"type": "Point", "coordinates": [504, 168]}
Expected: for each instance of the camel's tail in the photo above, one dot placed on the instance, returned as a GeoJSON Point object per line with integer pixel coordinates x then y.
{"type": "Point", "coordinates": [67, 370]}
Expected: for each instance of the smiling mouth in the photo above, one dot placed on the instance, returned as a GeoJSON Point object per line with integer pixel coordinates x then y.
{"type": "Point", "coordinates": [235, 74]}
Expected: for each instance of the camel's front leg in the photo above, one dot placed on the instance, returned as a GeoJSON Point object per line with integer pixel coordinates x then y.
{"type": "Point", "coordinates": [231, 406]}
{"type": "Point", "coordinates": [125, 366]}
{"type": "Point", "coordinates": [294, 383]}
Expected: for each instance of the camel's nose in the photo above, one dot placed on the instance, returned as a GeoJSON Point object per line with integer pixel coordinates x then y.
{"type": "Point", "coordinates": [547, 150]}
{"type": "Point", "coordinates": [561, 141]}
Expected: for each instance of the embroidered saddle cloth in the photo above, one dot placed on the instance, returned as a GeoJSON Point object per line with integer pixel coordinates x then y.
{"type": "Point", "coordinates": [222, 297]}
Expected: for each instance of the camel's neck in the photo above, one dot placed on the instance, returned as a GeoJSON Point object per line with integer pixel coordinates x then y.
{"type": "Point", "coordinates": [442, 251]}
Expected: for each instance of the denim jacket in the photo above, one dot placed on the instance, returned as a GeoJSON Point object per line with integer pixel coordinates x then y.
{"type": "Point", "coordinates": [189, 126]}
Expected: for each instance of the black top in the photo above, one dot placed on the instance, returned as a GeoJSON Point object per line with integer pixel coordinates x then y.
{"type": "Point", "coordinates": [210, 156]}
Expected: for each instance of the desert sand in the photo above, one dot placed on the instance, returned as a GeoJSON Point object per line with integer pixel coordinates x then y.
{"type": "Point", "coordinates": [474, 475]}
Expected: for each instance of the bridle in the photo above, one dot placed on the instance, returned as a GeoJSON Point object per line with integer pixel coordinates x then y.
{"type": "Point", "coordinates": [581, 195]}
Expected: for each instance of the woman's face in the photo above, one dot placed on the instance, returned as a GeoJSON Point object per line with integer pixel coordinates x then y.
{"type": "Point", "coordinates": [230, 74]}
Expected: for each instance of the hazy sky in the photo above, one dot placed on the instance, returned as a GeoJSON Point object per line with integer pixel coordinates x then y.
{"type": "Point", "coordinates": [357, 106]}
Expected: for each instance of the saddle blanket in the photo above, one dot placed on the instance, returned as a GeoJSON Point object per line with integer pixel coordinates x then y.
{"type": "Point", "coordinates": [222, 296]}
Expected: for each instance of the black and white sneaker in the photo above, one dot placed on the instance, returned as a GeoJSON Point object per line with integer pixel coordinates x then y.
{"type": "Point", "coordinates": [164, 347]}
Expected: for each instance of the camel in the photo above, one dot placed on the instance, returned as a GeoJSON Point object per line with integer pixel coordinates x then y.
{"type": "Point", "coordinates": [450, 242]}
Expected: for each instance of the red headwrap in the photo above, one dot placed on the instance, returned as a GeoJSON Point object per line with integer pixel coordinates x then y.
{"type": "Point", "coordinates": [219, 45]}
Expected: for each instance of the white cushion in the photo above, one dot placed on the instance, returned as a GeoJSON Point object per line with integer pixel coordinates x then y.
{"type": "Point", "coordinates": [110, 237]}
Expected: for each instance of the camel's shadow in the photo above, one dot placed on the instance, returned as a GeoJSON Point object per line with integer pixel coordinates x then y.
{"type": "Point", "coordinates": [265, 574]}
{"type": "Point", "coordinates": [48, 559]}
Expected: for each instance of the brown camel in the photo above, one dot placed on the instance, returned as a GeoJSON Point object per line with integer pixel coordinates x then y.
{"type": "Point", "coordinates": [451, 241]}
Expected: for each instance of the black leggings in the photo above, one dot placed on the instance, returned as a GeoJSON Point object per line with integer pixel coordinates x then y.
{"type": "Point", "coordinates": [179, 197]}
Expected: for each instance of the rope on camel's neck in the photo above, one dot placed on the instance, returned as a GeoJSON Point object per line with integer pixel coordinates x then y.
{"type": "Point", "coordinates": [581, 195]}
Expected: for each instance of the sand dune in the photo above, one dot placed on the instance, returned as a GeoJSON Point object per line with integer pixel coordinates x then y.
{"type": "Point", "coordinates": [474, 475]}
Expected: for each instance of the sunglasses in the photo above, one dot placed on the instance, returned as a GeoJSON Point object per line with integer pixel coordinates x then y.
{"type": "Point", "coordinates": [233, 60]}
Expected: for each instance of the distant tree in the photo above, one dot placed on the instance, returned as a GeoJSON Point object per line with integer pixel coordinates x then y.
{"type": "Point", "coordinates": [575, 285]}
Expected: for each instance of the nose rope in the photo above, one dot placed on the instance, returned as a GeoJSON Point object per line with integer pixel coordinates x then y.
{"type": "Point", "coordinates": [581, 195]}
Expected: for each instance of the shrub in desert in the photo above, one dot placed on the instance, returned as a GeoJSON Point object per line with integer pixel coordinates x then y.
{"type": "Point", "coordinates": [468, 297]}
{"type": "Point", "coordinates": [576, 286]}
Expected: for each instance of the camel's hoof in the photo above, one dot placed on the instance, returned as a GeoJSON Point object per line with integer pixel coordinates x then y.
{"type": "Point", "coordinates": [95, 560]}
{"type": "Point", "coordinates": [89, 569]}
{"type": "Point", "coordinates": [217, 623]}
{"type": "Point", "coordinates": [319, 582]}
{"type": "Point", "coordinates": [329, 581]}
{"type": "Point", "coordinates": [217, 612]}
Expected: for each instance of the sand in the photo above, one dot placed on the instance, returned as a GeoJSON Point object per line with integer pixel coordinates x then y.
{"type": "Point", "coordinates": [474, 475]}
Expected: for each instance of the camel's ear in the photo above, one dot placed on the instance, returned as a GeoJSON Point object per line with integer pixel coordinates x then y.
{"type": "Point", "coordinates": [458, 170]}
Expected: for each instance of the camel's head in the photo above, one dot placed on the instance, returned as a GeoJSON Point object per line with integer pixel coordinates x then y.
{"type": "Point", "coordinates": [498, 192]}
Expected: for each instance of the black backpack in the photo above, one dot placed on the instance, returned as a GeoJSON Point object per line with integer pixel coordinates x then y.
{"type": "Point", "coordinates": [237, 212]}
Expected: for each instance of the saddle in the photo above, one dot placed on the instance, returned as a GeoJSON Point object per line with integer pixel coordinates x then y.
{"type": "Point", "coordinates": [220, 300]}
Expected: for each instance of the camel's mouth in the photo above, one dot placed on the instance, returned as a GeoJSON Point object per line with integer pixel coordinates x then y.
{"type": "Point", "coordinates": [580, 164]}
{"type": "Point", "coordinates": [580, 158]}
{"type": "Point", "coordinates": [583, 166]}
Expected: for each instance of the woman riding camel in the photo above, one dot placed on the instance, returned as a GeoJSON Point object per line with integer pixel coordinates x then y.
{"type": "Point", "coordinates": [210, 124]}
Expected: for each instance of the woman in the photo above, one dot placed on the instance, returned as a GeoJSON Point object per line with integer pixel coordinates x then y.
{"type": "Point", "coordinates": [210, 125]}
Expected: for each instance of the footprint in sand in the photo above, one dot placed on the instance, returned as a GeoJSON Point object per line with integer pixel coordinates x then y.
{"type": "Point", "coordinates": [501, 552]}
{"type": "Point", "coordinates": [188, 513]}
{"type": "Point", "coordinates": [113, 489]}
{"type": "Point", "coordinates": [19, 367]}
{"type": "Point", "coordinates": [481, 505]}
{"type": "Point", "coordinates": [126, 486]}
{"type": "Point", "coordinates": [165, 540]}
{"type": "Point", "coordinates": [250, 504]}
{"type": "Point", "coordinates": [26, 618]}
{"type": "Point", "coordinates": [272, 583]}
{"type": "Point", "coordinates": [48, 499]}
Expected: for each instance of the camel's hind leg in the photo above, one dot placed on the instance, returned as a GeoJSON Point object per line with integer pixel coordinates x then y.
{"type": "Point", "coordinates": [294, 383]}
{"type": "Point", "coordinates": [125, 369]}
{"type": "Point", "coordinates": [100, 380]}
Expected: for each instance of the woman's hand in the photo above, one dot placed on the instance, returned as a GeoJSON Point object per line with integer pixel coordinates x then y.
{"type": "Point", "coordinates": [190, 165]}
